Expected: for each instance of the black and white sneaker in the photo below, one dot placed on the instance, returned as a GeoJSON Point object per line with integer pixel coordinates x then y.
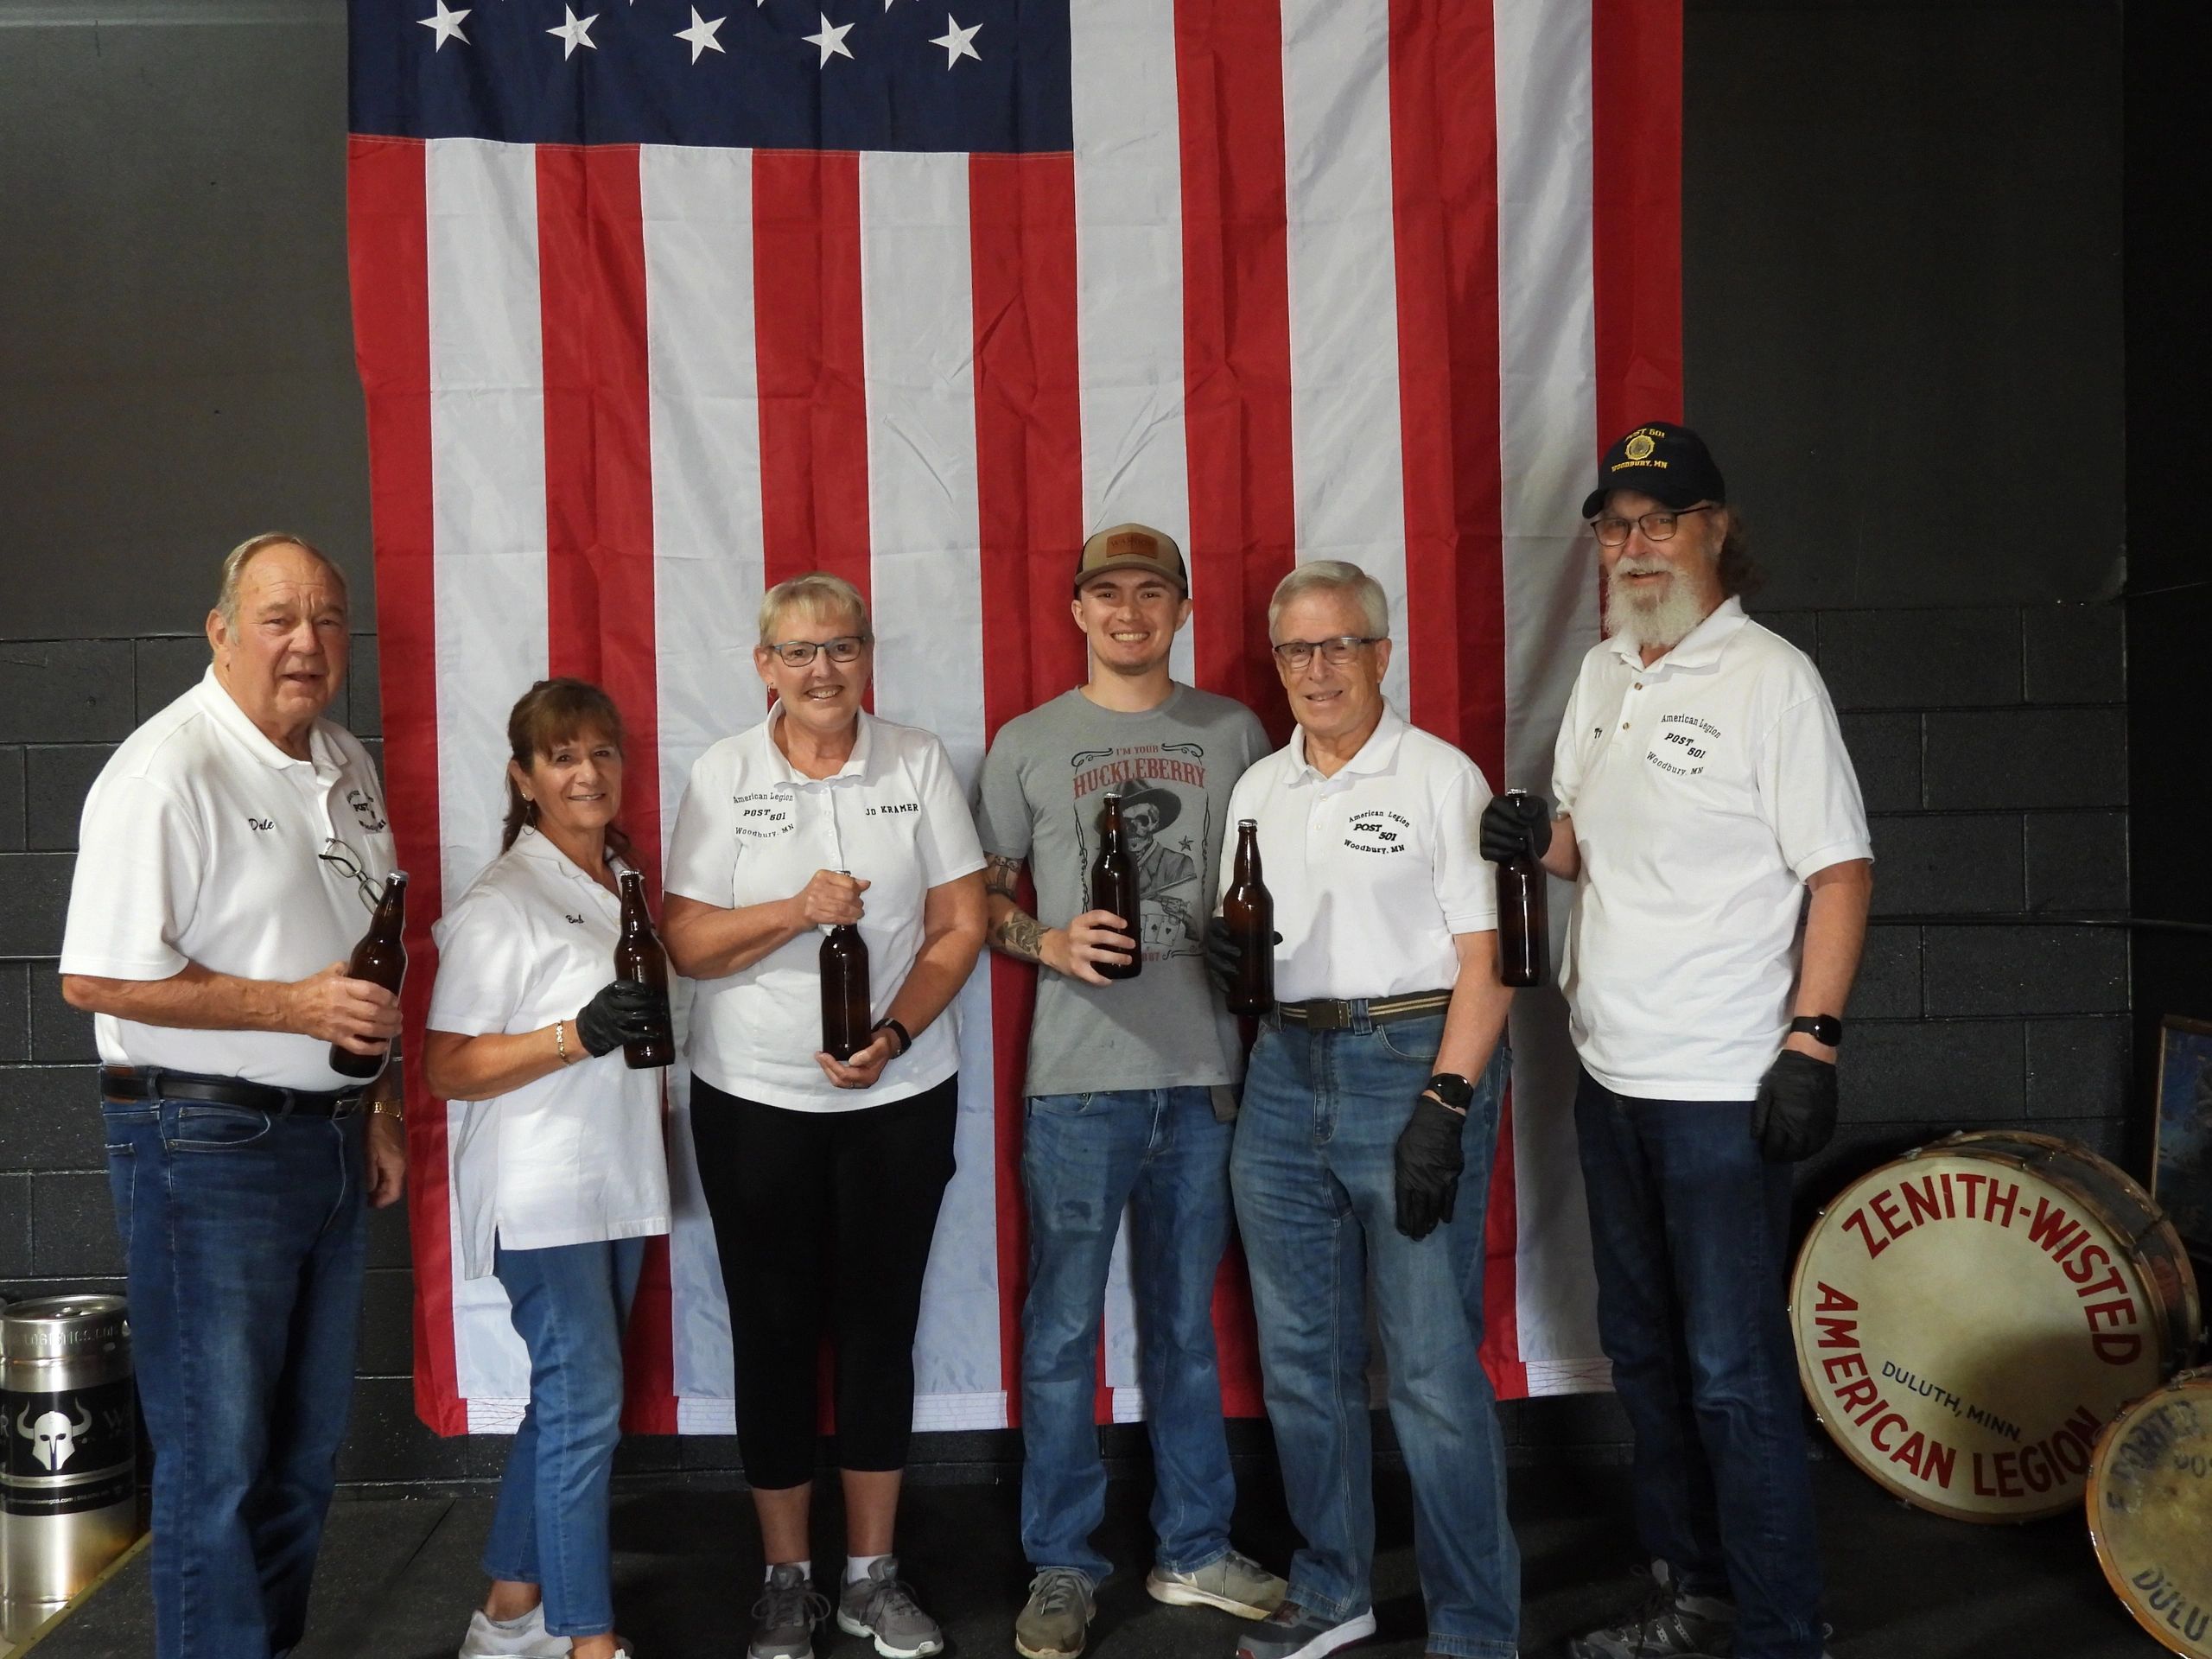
{"type": "Point", "coordinates": [1291, 1632]}
{"type": "Point", "coordinates": [1665, 1624]}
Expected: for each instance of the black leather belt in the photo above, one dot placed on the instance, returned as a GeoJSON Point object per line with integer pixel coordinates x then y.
{"type": "Point", "coordinates": [1337, 1014]}
{"type": "Point", "coordinates": [151, 1082]}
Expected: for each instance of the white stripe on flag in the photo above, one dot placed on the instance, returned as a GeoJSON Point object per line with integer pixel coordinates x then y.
{"type": "Point", "coordinates": [925, 571]}
{"type": "Point", "coordinates": [1128, 257]}
{"type": "Point", "coordinates": [707, 586]}
{"type": "Point", "coordinates": [487, 444]}
{"type": "Point", "coordinates": [1547, 414]}
{"type": "Point", "coordinates": [1346, 458]}
{"type": "Point", "coordinates": [706, 450]}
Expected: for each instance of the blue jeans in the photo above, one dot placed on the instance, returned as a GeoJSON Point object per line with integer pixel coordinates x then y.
{"type": "Point", "coordinates": [1689, 1229]}
{"type": "Point", "coordinates": [570, 1304]}
{"type": "Point", "coordinates": [1315, 1202]}
{"type": "Point", "coordinates": [1083, 1159]}
{"type": "Point", "coordinates": [243, 1236]}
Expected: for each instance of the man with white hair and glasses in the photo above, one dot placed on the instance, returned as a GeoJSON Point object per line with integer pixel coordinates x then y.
{"type": "Point", "coordinates": [1712, 823]}
{"type": "Point", "coordinates": [1364, 1148]}
{"type": "Point", "coordinates": [229, 855]}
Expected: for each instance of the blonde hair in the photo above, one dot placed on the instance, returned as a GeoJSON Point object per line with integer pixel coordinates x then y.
{"type": "Point", "coordinates": [818, 592]}
{"type": "Point", "coordinates": [235, 562]}
{"type": "Point", "coordinates": [1334, 575]}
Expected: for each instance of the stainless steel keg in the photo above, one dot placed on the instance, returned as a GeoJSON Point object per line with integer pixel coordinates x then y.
{"type": "Point", "coordinates": [69, 1480]}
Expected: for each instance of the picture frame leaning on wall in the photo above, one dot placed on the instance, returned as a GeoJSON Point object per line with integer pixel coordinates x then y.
{"type": "Point", "coordinates": [2180, 1157]}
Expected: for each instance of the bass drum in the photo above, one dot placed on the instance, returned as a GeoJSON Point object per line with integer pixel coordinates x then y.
{"type": "Point", "coordinates": [1969, 1318]}
{"type": "Point", "coordinates": [2150, 1502]}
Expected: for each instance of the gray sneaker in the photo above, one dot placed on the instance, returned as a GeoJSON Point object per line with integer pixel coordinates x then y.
{"type": "Point", "coordinates": [1057, 1620]}
{"type": "Point", "coordinates": [1236, 1583]}
{"type": "Point", "coordinates": [1291, 1632]}
{"type": "Point", "coordinates": [881, 1606]}
{"type": "Point", "coordinates": [784, 1617]}
{"type": "Point", "coordinates": [1665, 1624]}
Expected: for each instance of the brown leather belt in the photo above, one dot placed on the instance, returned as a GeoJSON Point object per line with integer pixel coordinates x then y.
{"type": "Point", "coordinates": [152, 1083]}
{"type": "Point", "coordinates": [1338, 1014]}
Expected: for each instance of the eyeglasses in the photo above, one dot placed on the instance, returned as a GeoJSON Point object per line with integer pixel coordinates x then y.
{"type": "Point", "coordinates": [347, 862]}
{"type": "Point", "coordinates": [1294, 654]}
{"type": "Point", "coordinates": [1612, 530]}
{"type": "Point", "coordinates": [797, 653]}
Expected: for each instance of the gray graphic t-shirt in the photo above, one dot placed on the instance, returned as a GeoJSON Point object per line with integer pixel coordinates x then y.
{"type": "Point", "coordinates": [1044, 784]}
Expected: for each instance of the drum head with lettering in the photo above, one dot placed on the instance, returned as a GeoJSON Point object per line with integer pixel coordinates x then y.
{"type": "Point", "coordinates": [1965, 1327]}
{"type": "Point", "coordinates": [2149, 1503]}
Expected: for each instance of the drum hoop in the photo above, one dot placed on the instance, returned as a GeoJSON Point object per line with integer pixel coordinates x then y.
{"type": "Point", "coordinates": [2180, 1382]}
{"type": "Point", "coordinates": [2177, 1327]}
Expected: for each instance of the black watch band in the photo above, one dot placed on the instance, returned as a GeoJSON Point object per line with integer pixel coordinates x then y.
{"type": "Point", "coordinates": [905, 1039]}
{"type": "Point", "coordinates": [1452, 1089]}
{"type": "Point", "coordinates": [1821, 1027]}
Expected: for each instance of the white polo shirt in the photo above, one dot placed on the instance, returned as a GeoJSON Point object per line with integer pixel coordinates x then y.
{"type": "Point", "coordinates": [199, 844]}
{"type": "Point", "coordinates": [1704, 789]}
{"type": "Point", "coordinates": [577, 1157]}
{"type": "Point", "coordinates": [1373, 870]}
{"type": "Point", "coordinates": [753, 828]}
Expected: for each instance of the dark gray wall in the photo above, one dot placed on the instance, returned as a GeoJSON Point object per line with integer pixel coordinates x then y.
{"type": "Point", "coordinates": [1904, 330]}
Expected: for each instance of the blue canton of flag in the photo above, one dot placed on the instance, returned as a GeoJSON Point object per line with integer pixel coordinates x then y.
{"type": "Point", "coordinates": [983, 77]}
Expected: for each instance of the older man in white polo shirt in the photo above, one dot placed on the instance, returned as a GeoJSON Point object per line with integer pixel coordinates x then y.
{"type": "Point", "coordinates": [1711, 823]}
{"type": "Point", "coordinates": [229, 858]}
{"type": "Point", "coordinates": [1369, 1119]}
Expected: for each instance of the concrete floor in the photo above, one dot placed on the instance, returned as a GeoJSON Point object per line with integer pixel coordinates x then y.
{"type": "Point", "coordinates": [399, 1576]}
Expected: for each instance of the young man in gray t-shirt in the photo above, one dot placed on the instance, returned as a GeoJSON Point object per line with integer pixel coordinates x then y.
{"type": "Point", "coordinates": [1121, 1081]}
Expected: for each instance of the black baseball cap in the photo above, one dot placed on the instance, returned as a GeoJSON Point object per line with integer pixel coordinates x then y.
{"type": "Point", "coordinates": [1667, 463]}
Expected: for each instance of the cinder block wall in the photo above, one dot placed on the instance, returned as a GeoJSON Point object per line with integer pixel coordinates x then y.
{"type": "Point", "coordinates": [1990, 743]}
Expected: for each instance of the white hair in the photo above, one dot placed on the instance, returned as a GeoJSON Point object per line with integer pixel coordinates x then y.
{"type": "Point", "coordinates": [818, 592]}
{"type": "Point", "coordinates": [235, 562]}
{"type": "Point", "coordinates": [1334, 575]}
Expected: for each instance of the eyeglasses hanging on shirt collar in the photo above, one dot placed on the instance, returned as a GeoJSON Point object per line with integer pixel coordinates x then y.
{"type": "Point", "coordinates": [344, 860]}
{"type": "Point", "coordinates": [797, 653]}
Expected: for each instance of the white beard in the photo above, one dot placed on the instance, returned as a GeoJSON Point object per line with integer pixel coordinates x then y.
{"type": "Point", "coordinates": [1657, 623]}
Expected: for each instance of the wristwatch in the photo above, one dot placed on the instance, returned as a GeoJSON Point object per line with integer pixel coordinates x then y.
{"type": "Point", "coordinates": [1824, 1028]}
{"type": "Point", "coordinates": [1452, 1089]}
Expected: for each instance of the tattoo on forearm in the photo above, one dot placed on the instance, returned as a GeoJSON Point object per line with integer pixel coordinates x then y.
{"type": "Point", "coordinates": [1020, 934]}
{"type": "Point", "coordinates": [1001, 875]}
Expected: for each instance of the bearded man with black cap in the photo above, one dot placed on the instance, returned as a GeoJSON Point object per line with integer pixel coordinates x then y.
{"type": "Point", "coordinates": [1711, 821]}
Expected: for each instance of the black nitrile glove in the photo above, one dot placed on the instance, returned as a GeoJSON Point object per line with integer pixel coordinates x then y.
{"type": "Point", "coordinates": [1795, 1112]}
{"type": "Point", "coordinates": [1224, 955]}
{"type": "Point", "coordinates": [1513, 825]}
{"type": "Point", "coordinates": [1429, 1164]}
{"type": "Point", "coordinates": [623, 1012]}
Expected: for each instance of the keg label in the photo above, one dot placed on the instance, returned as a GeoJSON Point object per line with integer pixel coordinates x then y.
{"type": "Point", "coordinates": [69, 1451]}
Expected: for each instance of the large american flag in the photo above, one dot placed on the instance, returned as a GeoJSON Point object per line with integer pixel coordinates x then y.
{"type": "Point", "coordinates": [656, 304]}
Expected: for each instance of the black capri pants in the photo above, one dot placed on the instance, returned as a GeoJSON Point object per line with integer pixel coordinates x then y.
{"type": "Point", "coordinates": [823, 1220]}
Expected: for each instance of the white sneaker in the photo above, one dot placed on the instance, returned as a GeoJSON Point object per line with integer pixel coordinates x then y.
{"type": "Point", "coordinates": [520, 1638]}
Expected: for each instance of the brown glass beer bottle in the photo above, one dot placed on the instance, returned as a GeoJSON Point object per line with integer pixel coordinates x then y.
{"type": "Point", "coordinates": [1524, 920]}
{"type": "Point", "coordinates": [639, 958]}
{"type": "Point", "coordinates": [845, 1011]}
{"type": "Point", "coordinates": [380, 959]}
{"type": "Point", "coordinates": [1249, 911]}
{"type": "Point", "coordinates": [1114, 888]}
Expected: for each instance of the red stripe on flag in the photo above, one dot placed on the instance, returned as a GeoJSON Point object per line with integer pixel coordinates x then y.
{"type": "Point", "coordinates": [387, 244]}
{"type": "Point", "coordinates": [808, 339]}
{"type": "Point", "coordinates": [599, 517]}
{"type": "Point", "coordinates": [1636, 98]}
{"type": "Point", "coordinates": [1444, 188]}
{"type": "Point", "coordinates": [1236, 340]}
{"type": "Point", "coordinates": [1029, 497]}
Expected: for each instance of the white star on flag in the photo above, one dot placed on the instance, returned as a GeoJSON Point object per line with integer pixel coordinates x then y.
{"type": "Point", "coordinates": [702, 35]}
{"type": "Point", "coordinates": [831, 40]}
{"type": "Point", "coordinates": [447, 24]}
{"type": "Point", "coordinates": [575, 33]}
{"type": "Point", "coordinates": [955, 41]}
